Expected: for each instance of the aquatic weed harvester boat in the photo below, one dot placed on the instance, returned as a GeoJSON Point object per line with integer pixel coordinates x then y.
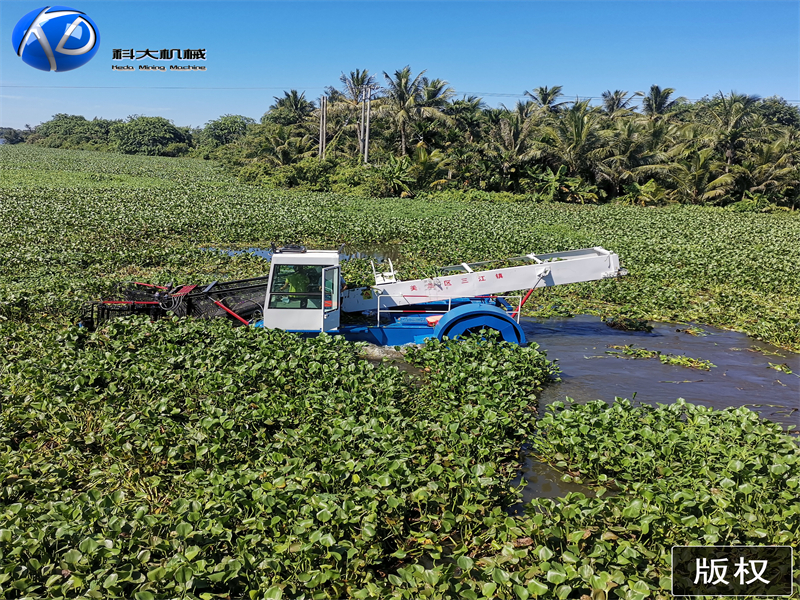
{"type": "Point", "coordinates": [304, 292]}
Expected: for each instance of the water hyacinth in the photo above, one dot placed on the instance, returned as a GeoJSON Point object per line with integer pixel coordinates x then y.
{"type": "Point", "coordinates": [191, 459]}
{"type": "Point", "coordinates": [188, 455]}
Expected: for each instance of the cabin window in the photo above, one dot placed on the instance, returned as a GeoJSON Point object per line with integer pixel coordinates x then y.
{"type": "Point", "coordinates": [296, 286]}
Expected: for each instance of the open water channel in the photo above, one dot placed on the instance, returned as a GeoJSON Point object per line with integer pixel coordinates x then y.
{"type": "Point", "coordinates": [742, 376]}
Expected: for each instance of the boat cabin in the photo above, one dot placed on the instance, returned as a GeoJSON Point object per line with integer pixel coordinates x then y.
{"type": "Point", "coordinates": [304, 290]}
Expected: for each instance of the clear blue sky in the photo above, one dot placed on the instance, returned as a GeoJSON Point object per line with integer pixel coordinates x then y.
{"type": "Point", "coordinates": [492, 48]}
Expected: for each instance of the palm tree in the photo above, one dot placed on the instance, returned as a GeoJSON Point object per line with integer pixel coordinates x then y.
{"type": "Point", "coordinates": [409, 99]}
{"type": "Point", "coordinates": [697, 178]}
{"type": "Point", "coordinates": [657, 101]}
{"type": "Point", "coordinates": [467, 115]}
{"type": "Point", "coordinates": [356, 84]}
{"type": "Point", "coordinates": [510, 148]}
{"type": "Point", "coordinates": [617, 102]}
{"type": "Point", "coordinates": [631, 158]}
{"type": "Point", "coordinates": [348, 102]}
{"type": "Point", "coordinates": [771, 169]}
{"type": "Point", "coordinates": [575, 140]}
{"type": "Point", "coordinates": [524, 110]}
{"type": "Point", "coordinates": [429, 169]}
{"type": "Point", "coordinates": [292, 109]}
{"type": "Point", "coordinates": [435, 92]}
{"type": "Point", "coordinates": [735, 120]}
{"type": "Point", "coordinates": [402, 93]}
{"type": "Point", "coordinates": [283, 145]}
{"type": "Point", "coordinates": [545, 98]}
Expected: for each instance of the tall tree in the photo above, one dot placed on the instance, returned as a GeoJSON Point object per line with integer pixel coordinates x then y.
{"type": "Point", "coordinates": [225, 130]}
{"type": "Point", "coordinates": [280, 145]}
{"type": "Point", "coordinates": [699, 178]}
{"type": "Point", "coordinates": [617, 102]}
{"type": "Point", "coordinates": [356, 86]}
{"type": "Point", "coordinates": [408, 99]}
{"type": "Point", "coordinates": [292, 109]}
{"type": "Point", "coordinates": [770, 169]}
{"type": "Point", "coordinates": [630, 157]}
{"type": "Point", "coordinates": [468, 116]}
{"type": "Point", "coordinates": [735, 120]}
{"type": "Point", "coordinates": [435, 93]}
{"type": "Point", "coordinates": [145, 135]}
{"type": "Point", "coordinates": [545, 98]}
{"type": "Point", "coordinates": [777, 110]}
{"type": "Point", "coordinates": [576, 140]}
{"type": "Point", "coordinates": [658, 102]}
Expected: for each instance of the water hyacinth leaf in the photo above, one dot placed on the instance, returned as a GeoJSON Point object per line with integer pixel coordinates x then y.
{"type": "Point", "coordinates": [537, 588]}
{"type": "Point", "coordinates": [736, 466]}
{"type": "Point", "coordinates": [273, 593]}
{"type": "Point", "coordinates": [88, 546]}
{"type": "Point", "coordinates": [545, 554]}
{"type": "Point", "coordinates": [324, 515]}
{"type": "Point", "coordinates": [501, 576]}
{"type": "Point", "coordinates": [430, 576]}
{"type": "Point", "coordinates": [521, 592]}
{"type": "Point", "coordinates": [633, 510]}
{"type": "Point", "coordinates": [556, 577]}
{"type": "Point", "coordinates": [183, 574]}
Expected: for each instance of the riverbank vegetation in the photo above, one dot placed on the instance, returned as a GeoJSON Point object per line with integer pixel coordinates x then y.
{"type": "Point", "coordinates": [643, 148]}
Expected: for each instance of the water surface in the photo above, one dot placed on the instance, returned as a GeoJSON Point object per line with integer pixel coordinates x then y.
{"type": "Point", "coordinates": [742, 377]}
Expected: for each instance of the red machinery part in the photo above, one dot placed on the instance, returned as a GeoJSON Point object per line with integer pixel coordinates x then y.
{"type": "Point", "coordinates": [230, 312]}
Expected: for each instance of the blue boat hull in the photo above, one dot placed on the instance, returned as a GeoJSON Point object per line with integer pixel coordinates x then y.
{"type": "Point", "coordinates": [466, 315]}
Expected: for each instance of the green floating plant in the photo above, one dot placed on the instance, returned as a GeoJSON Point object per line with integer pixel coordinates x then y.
{"type": "Point", "coordinates": [186, 459]}
{"type": "Point", "coordinates": [667, 359]}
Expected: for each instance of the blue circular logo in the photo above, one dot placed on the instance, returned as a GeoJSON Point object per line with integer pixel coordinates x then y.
{"type": "Point", "coordinates": [56, 38]}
